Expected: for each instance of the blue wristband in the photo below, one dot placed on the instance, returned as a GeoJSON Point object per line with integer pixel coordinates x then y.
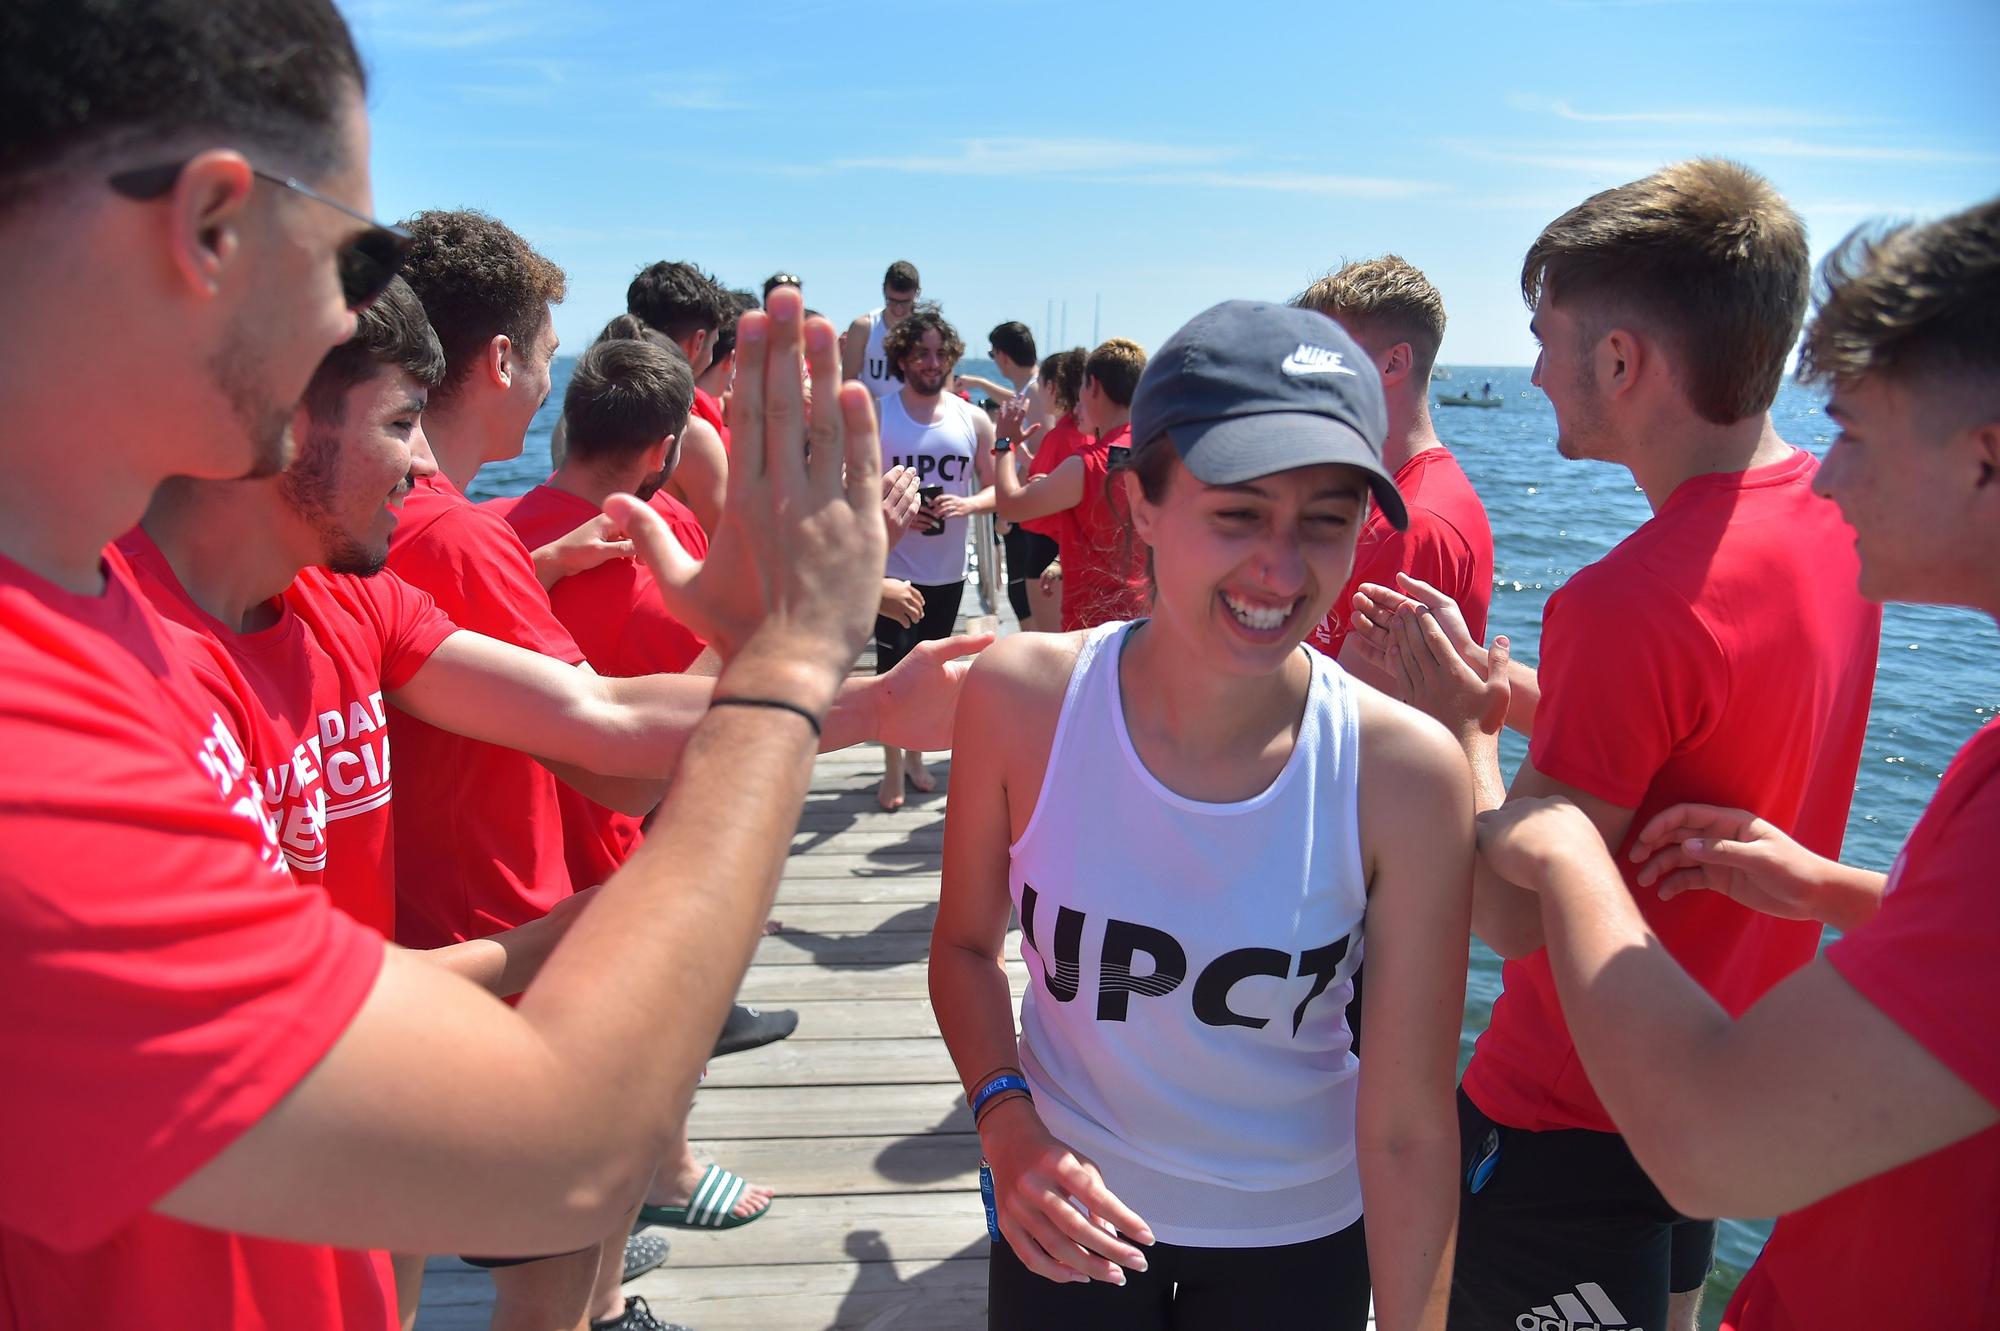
{"type": "Point", "coordinates": [1010, 1081]}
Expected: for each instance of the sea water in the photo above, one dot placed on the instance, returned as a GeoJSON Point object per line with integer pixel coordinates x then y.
{"type": "Point", "coordinates": [1938, 681]}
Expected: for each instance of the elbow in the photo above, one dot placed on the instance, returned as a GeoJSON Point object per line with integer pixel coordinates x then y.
{"type": "Point", "coordinates": [1509, 943]}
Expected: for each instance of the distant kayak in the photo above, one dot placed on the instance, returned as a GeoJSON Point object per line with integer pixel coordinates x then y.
{"type": "Point", "coordinates": [1467, 400]}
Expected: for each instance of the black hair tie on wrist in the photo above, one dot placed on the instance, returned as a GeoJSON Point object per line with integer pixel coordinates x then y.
{"type": "Point", "coordinates": [777, 704]}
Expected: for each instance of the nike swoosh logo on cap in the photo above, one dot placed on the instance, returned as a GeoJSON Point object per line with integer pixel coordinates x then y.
{"type": "Point", "coordinates": [1309, 359]}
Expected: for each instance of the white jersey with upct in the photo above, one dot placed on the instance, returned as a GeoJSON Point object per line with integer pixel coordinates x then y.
{"type": "Point", "coordinates": [942, 453]}
{"type": "Point", "coordinates": [1189, 969]}
{"type": "Point", "coordinates": [875, 360]}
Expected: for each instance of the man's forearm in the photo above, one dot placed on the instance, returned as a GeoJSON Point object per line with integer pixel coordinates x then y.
{"type": "Point", "coordinates": [1639, 1021]}
{"type": "Point", "coordinates": [1504, 917]}
{"type": "Point", "coordinates": [655, 962]}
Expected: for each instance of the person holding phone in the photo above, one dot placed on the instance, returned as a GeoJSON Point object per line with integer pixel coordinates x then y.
{"type": "Point", "coordinates": [948, 442]}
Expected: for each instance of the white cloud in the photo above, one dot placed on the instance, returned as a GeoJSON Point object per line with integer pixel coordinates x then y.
{"type": "Point", "coordinates": [1736, 117]}
{"type": "Point", "coordinates": [1133, 163]}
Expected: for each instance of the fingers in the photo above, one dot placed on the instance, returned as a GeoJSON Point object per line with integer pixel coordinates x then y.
{"type": "Point", "coordinates": [1499, 657]}
{"type": "Point", "coordinates": [1419, 590]}
{"type": "Point", "coordinates": [825, 425]}
{"type": "Point", "coordinates": [1662, 865]}
{"type": "Point", "coordinates": [673, 567]}
{"type": "Point", "coordinates": [622, 549]}
{"type": "Point", "coordinates": [950, 649]}
{"type": "Point", "coordinates": [1683, 820]}
{"type": "Point", "coordinates": [1380, 602]}
{"type": "Point", "coordinates": [746, 401]}
{"type": "Point", "coordinates": [1088, 1187]}
{"type": "Point", "coordinates": [784, 396]}
{"type": "Point", "coordinates": [864, 448]}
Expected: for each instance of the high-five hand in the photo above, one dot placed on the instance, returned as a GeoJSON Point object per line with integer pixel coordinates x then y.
{"type": "Point", "coordinates": [796, 564]}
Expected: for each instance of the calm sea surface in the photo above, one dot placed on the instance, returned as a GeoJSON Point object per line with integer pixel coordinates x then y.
{"type": "Point", "coordinates": [1938, 680]}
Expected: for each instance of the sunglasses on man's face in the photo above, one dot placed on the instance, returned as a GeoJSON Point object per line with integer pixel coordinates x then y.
{"type": "Point", "coordinates": [366, 263]}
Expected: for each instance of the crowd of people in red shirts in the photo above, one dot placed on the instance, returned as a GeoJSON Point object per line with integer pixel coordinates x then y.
{"type": "Point", "coordinates": [251, 1037]}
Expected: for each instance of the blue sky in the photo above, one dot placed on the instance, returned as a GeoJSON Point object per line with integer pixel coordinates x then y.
{"type": "Point", "coordinates": [1159, 157]}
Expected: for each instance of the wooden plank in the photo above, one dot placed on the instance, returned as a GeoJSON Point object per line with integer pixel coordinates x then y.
{"type": "Point", "coordinates": [865, 1019]}
{"type": "Point", "coordinates": [777, 986]}
{"type": "Point", "coordinates": [792, 947]}
{"type": "Point", "coordinates": [926, 1226]}
{"type": "Point", "coordinates": [835, 1063]}
{"type": "Point", "coordinates": [878, 1295]}
{"type": "Point", "coordinates": [847, 890]}
{"type": "Point", "coordinates": [725, 1114]}
{"type": "Point", "coordinates": [821, 1166]}
{"type": "Point", "coordinates": [862, 865]}
{"type": "Point", "coordinates": [926, 840]}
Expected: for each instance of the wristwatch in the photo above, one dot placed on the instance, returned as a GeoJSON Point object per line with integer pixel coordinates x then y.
{"type": "Point", "coordinates": [1002, 444]}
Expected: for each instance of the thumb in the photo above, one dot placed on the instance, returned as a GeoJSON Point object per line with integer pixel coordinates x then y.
{"type": "Point", "coordinates": [950, 649]}
{"type": "Point", "coordinates": [1498, 658]}
{"type": "Point", "coordinates": [673, 567]}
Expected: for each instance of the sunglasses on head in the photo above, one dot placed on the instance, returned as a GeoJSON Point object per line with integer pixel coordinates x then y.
{"type": "Point", "coordinates": [366, 263]}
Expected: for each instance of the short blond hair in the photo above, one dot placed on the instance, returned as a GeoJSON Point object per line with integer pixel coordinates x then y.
{"type": "Point", "coordinates": [1704, 255]}
{"type": "Point", "coordinates": [1388, 296]}
{"type": "Point", "coordinates": [1117, 365]}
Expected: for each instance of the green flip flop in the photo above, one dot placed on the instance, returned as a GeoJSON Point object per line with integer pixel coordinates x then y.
{"type": "Point", "coordinates": [713, 1205]}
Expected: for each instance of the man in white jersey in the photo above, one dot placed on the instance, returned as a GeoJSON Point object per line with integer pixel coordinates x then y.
{"type": "Point", "coordinates": [863, 353]}
{"type": "Point", "coordinates": [948, 443]}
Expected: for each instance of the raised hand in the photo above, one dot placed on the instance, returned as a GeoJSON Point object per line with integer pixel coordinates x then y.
{"type": "Point", "coordinates": [919, 697]}
{"type": "Point", "coordinates": [1434, 678]}
{"type": "Point", "coordinates": [1034, 1179]}
{"type": "Point", "coordinates": [796, 563]}
{"type": "Point", "coordinates": [899, 500]}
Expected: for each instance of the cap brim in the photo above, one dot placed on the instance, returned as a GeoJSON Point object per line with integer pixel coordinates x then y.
{"type": "Point", "coordinates": [1241, 448]}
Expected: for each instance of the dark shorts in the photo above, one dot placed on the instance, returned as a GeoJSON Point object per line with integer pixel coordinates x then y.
{"type": "Point", "coordinates": [1028, 553]}
{"type": "Point", "coordinates": [1565, 1225]}
{"type": "Point", "coordinates": [1322, 1284]}
{"type": "Point", "coordinates": [893, 642]}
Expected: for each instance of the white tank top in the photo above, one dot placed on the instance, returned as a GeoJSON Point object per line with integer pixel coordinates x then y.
{"type": "Point", "coordinates": [942, 454]}
{"type": "Point", "coordinates": [875, 360]}
{"type": "Point", "coordinates": [1190, 964]}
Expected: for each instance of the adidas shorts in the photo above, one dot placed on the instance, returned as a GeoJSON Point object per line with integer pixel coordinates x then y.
{"type": "Point", "coordinates": [1565, 1231]}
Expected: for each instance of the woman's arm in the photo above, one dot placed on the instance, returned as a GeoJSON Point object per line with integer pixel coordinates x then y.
{"type": "Point", "coordinates": [1417, 840]}
{"type": "Point", "coordinates": [1034, 1175]}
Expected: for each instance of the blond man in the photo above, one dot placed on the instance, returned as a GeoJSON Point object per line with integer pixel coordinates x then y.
{"type": "Point", "coordinates": [1395, 315]}
{"type": "Point", "coordinates": [1719, 653]}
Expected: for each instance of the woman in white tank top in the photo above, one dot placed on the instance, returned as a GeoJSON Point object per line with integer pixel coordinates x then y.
{"type": "Point", "coordinates": [1183, 1136]}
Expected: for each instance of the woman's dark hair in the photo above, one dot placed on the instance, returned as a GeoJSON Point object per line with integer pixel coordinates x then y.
{"type": "Point", "coordinates": [1062, 372]}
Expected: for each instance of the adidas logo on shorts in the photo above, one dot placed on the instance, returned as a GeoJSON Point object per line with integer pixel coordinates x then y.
{"type": "Point", "coordinates": [1588, 1309]}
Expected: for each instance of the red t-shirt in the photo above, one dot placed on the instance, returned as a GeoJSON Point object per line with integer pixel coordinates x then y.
{"type": "Point", "coordinates": [615, 614]}
{"type": "Point", "coordinates": [706, 407]}
{"type": "Point", "coordinates": [1918, 1246]}
{"type": "Point", "coordinates": [1720, 654]}
{"type": "Point", "coordinates": [1447, 544]}
{"type": "Point", "coordinates": [479, 847]}
{"type": "Point", "coordinates": [1103, 567]}
{"type": "Point", "coordinates": [1063, 439]}
{"type": "Point", "coordinates": [314, 721]}
{"type": "Point", "coordinates": [162, 988]}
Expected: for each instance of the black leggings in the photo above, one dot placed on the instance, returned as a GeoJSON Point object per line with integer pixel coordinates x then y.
{"type": "Point", "coordinates": [1322, 1283]}
{"type": "Point", "coordinates": [893, 642]}
{"type": "Point", "coordinates": [1028, 553]}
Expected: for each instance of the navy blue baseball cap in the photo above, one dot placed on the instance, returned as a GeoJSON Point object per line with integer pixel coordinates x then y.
{"type": "Point", "coordinates": [1246, 389]}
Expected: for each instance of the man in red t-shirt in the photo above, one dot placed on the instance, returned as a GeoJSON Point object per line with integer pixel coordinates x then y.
{"type": "Point", "coordinates": [1397, 316]}
{"type": "Point", "coordinates": [1665, 675]}
{"type": "Point", "coordinates": [189, 1036]}
{"type": "Point", "coordinates": [1103, 578]}
{"type": "Point", "coordinates": [1860, 1097]}
{"type": "Point", "coordinates": [689, 306]}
